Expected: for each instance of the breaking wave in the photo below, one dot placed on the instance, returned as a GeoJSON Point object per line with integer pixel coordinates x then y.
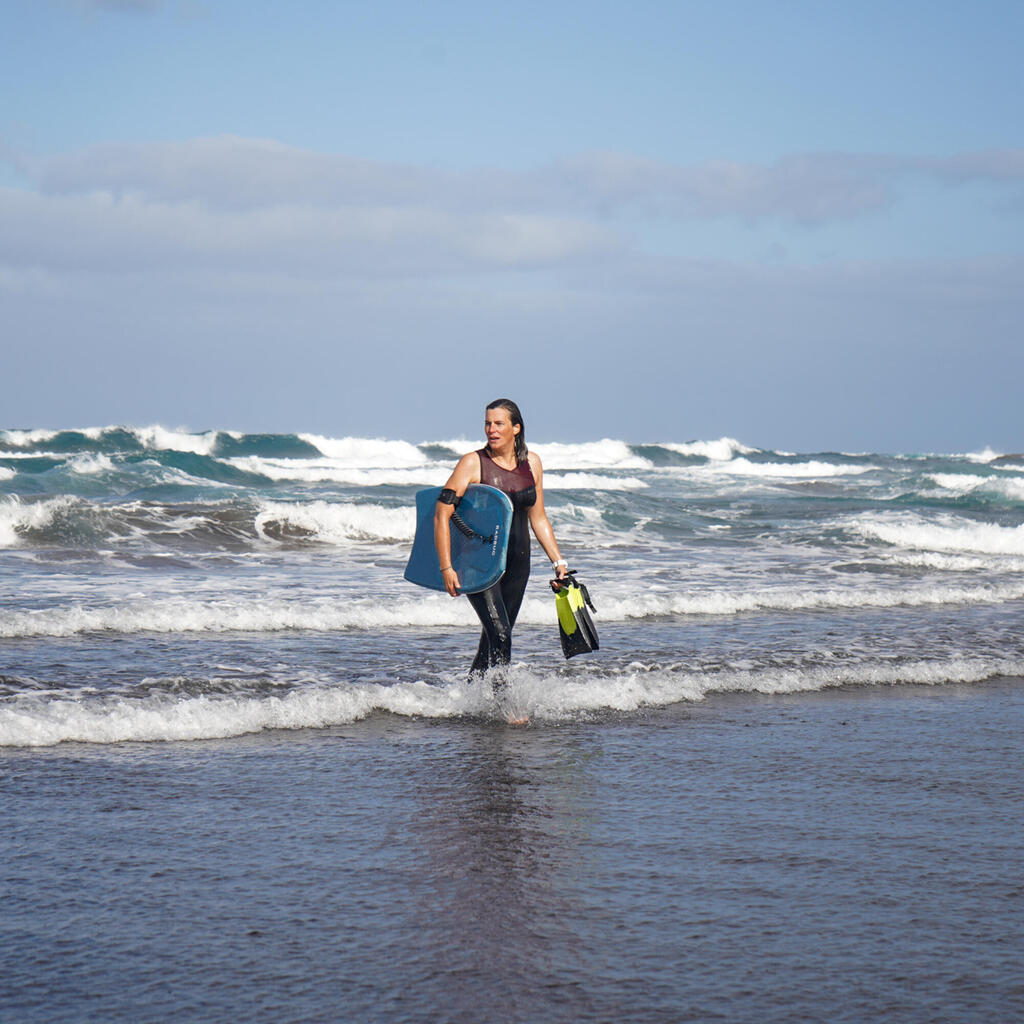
{"type": "Point", "coordinates": [946, 534]}
{"type": "Point", "coordinates": [248, 614]}
{"type": "Point", "coordinates": [334, 522]}
{"type": "Point", "coordinates": [167, 711]}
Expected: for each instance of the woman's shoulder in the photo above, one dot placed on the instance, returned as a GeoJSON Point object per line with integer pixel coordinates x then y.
{"type": "Point", "coordinates": [470, 464]}
{"type": "Point", "coordinates": [534, 459]}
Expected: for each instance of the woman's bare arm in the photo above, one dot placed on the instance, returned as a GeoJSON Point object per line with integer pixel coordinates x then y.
{"type": "Point", "coordinates": [465, 473]}
{"type": "Point", "coordinates": [539, 518]}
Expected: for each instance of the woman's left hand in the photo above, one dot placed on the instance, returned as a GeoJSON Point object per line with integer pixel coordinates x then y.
{"type": "Point", "coordinates": [450, 579]}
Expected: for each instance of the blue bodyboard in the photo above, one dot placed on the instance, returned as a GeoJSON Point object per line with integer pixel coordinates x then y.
{"type": "Point", "coordinates": [478, 553]}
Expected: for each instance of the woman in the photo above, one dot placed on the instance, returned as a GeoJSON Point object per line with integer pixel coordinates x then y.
{"type": "Point", "coordinates": [504, 463]}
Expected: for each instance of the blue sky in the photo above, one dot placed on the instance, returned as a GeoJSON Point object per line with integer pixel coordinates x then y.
{"type": "Point", "coordinates": [794, 223]}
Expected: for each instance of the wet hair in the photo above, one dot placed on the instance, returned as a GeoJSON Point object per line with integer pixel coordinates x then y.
{"type": "Point", "coordinates": [517, 421]}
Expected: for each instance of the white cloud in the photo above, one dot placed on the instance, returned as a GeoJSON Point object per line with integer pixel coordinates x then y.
{"type": "Point", "coordinates": [232, 172]}
{"type": "Point", "coordinates": [131, 232]}
{"type": "Point", "coordinates": [809, 189]}
{"type": "Point", "coordinates": [996, 165]}
{"type": "Point", "coordinates": [257, 206]}
{"type": "Point", "coordinates": [237, 173]}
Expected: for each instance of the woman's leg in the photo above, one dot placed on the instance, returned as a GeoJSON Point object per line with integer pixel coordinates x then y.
{"type": "Point", "coordinates": [513, 590]}
{"type": "Point", "coordinates": [496, 637]}
{"type": "Point", "coordinates": [497, 608]}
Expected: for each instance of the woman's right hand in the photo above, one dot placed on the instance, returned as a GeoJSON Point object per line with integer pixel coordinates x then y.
{"type": "Point", "coordinates": [450, 579]}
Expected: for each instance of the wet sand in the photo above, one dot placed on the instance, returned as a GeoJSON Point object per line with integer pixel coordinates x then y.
{"type": "Point", "coordinates": [847, 855]}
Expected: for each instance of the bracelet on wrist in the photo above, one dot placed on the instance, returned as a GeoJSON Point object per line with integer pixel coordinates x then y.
{"type": "Point", "coordinates": [446, 568]}
{"type": "Point", "coordinates": [559, 563]}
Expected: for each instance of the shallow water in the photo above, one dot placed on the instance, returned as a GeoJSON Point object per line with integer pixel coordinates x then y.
{"type": "Point", "coordinates": [245, 777]}
{"type": "Point", "coordinates": [161, 585]}
{"type": "Point", "coordinates": [851, 855]}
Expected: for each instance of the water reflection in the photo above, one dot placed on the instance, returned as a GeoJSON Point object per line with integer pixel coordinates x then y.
{"type": "Point", "coordinates": [506, 816]}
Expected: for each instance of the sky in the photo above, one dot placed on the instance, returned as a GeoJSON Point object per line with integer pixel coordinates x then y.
{"type": "Point", "coordinates": [800, 224]}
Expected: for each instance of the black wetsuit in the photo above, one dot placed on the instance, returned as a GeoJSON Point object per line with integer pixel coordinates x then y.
{"type": "Point", "coordinates": [498, 606]}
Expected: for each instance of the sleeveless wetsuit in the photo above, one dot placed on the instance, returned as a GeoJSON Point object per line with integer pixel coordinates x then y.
{"type": "Point", "coordinates": [498, 606]}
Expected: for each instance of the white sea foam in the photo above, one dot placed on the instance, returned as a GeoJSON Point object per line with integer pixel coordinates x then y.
{"type": "Point", "coordinates": [641, 685]}
{"type": "Point", "coordinates": [154, 437]}
{"type": "Point", "coordinates": [420, 473]}
{"type": "Point", "coordinates": [583, 527]}
{"type": "Point", "coordinates": [36, 720]}
{"type": "Point", "coordinates": [1011, 487]}
{"type": "Point", "coordinates": [722, 450]}
{"type": "Point", "coordinates": [24, 438]}
{"type": "Point", "coordinates": [6, 474]}
{"type": "Point", "coordinates": [89, 465]}
{"type": "Point", "coordinates": [591, 482]}
{"type": "Point", "coordinates": [241, 613]}
{"type": "Point", "coordinates": [606, 454]}
{"type": "Point", "coordinates": [327, 471]}
{"type": "Point", "coordinates": [458, 448]}
{"type": "Point", "coordinates": [957, 483]}
{"type": "Point", "coordinates": [101, 719]}
{"type": "Point", "coordinates": [652, 604]}
{"type": "Point", "coordinates": [185, 615]}
{"type": "Point", "coordinates": [335, 523]}
{"type": "Point", "coordinates": [954, 563]}
{"type": "Point", "coordinates": [947, 534]}
{"type": "Point", "coordinates": [799, 470]}
{"type": "Point", "coordinates": [16, 516]}
{"type": "Point", "coordinates": [161, 439]}
{"type": "Point", "coordinates": [987, 455]}
{"type": "Point", "coordinates": [33, 455]}
{"type": "Point", "coordinates": [367, 453]}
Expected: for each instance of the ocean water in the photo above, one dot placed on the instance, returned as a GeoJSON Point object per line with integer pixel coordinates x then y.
{"type": "Point", "coordinates": [246, 774]}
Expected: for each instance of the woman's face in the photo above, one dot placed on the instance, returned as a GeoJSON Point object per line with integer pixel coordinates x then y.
{"type": "Point", "coordinates": [498, 428]}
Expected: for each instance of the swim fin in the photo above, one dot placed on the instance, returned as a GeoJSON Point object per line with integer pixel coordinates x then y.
{"type": "Point", "coordinates": [575, 627]}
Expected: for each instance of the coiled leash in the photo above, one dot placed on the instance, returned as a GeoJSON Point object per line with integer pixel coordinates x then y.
{"type": "Point", "coordinates": [448, 497]}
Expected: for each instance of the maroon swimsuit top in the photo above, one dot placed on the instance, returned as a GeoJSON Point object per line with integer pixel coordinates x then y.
{"type": "Point", "coordinates": [517, 483]}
